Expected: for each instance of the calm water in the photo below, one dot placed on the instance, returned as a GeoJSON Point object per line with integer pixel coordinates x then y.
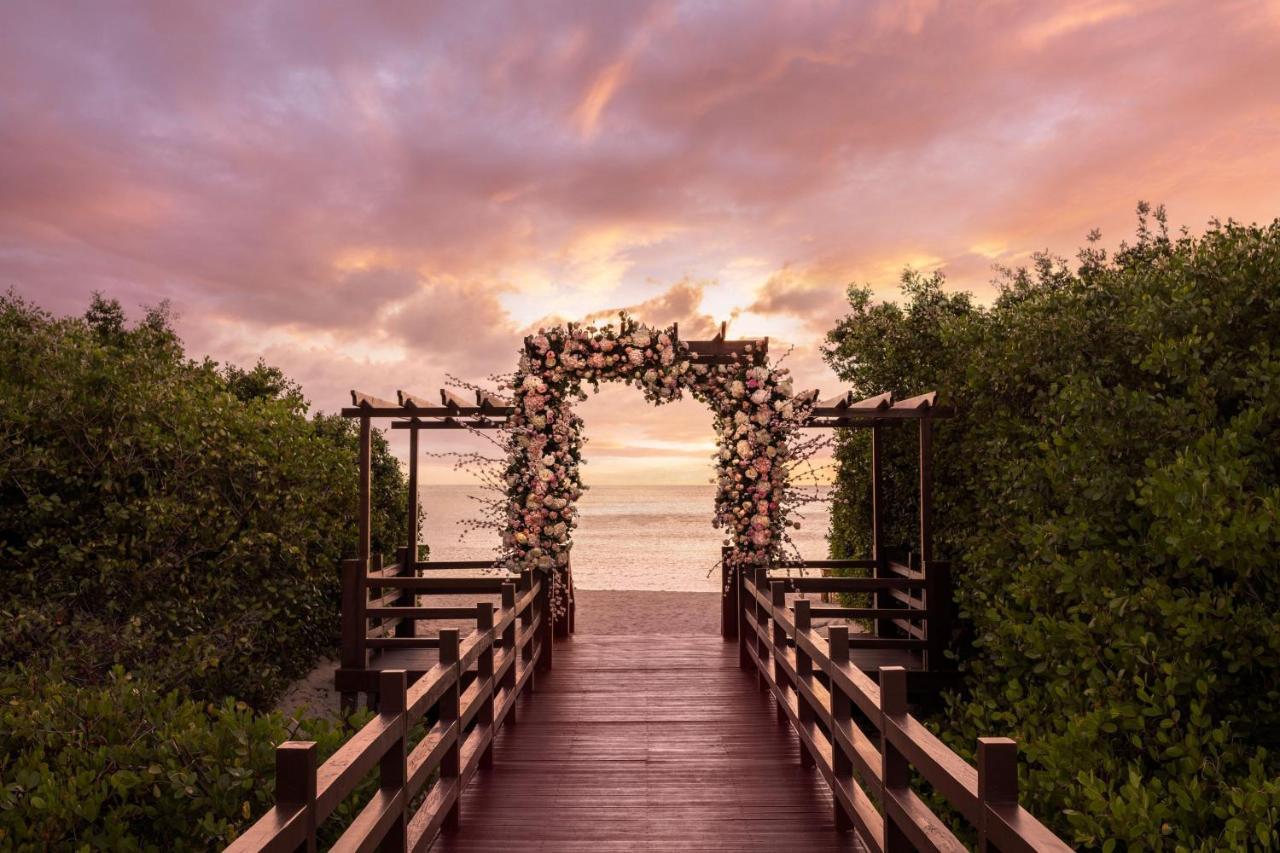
{"type": "Point", "coordinates": [628, 537]}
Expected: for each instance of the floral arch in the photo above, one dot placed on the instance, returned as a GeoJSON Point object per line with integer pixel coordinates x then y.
{"type": "Point", "coordinates": [756, 418]}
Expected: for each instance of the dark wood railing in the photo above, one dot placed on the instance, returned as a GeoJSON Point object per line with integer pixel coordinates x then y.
{"type": "Point", "coordinates": [910, 608]}
{"type": "Point", "coordinates": [862, 738]}
{"type": "Point", "coordinates": [380, 612]}
{"type": "Point", "coordinates": [465, 698]}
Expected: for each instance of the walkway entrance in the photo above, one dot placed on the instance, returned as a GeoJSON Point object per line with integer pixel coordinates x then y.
{"type": "Point", "coordinates": [645, 743]}
{"type": "Point", "coordinates": [505, 731]}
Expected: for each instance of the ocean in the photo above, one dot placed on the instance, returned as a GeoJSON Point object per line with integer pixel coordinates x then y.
{"type": "Point", "coordinates": [656, 538]}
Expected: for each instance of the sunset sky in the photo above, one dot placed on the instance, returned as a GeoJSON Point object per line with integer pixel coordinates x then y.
{"type": "Point", "coordinates": [374, 195]}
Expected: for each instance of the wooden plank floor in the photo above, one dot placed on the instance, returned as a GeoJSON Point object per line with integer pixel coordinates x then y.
{"type": "Point", "coordinates": [646, 744]}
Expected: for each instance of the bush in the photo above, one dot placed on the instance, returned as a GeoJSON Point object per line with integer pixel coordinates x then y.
{"type": "Point", "coordinates": [122, 766]}
{"type": "Point", "coordinates": [1111, 492]}
{"type": "Point", "coordinates": [180, 520]}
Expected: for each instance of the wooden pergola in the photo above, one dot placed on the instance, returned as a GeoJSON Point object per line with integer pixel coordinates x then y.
{"type": "Point", "coordinates": [485, 411]}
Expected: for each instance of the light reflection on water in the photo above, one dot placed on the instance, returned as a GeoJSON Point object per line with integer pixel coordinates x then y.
{"type": "Point", "coordinates": [628, 537]}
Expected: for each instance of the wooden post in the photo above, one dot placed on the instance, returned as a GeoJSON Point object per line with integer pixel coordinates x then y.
{"type": "Point", "coordinates": [762, 625]}
{"type": "Point", "coordinates": [564, 624]}
{"type": "Point", "coordinates": [778, 599]}
{"type": "Point", "coordinates": [526, 622]}
{"type": "Point", "coordinates": [374, 565]}
{"type": "Point", "coordinates": [926, 493]}
{"type": "Point", "coordinates": [841, 719]}
{"type": "Point", "coordinates": [405, 626]}
{"type": "Point", "coordinates": [573, 596]}
{"type": "Point", "coordinates": [296, 783]}
{"type": "Point", "coordinates": [741, 600]}
{"type": "Point", "coordinates": [509, 639]}
{"type": "Point", "coordinates": [728, 597]}
{"type": "Point", "coordinates": [546, 602]}
{"type": "Point", "coordinates": [393, 769]}
{"type": "Point", "coordinates": [884, 627]}
{"type": "Point", "coordinates": [352, 656]}
{"type": "Point", "coordinates": [894, 770]}
{"type": "Point", "coordinates": [451, 763]}
{"type": "Point", "coordinates": [365, 518]}
{"type": "Point", "coordinates": [936, 639]}
{"type": "Point", "coordinates": [484, 672]}
{"type": "Point", "coordinates": [997, 779]}
{"type": "Point", "coordinates": [804, 675]}
{"type": "Point", "coordinates": [413, 496]}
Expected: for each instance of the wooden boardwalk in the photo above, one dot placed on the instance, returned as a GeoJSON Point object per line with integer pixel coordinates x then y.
{"type": "Point", "coordinates": [646, 744]}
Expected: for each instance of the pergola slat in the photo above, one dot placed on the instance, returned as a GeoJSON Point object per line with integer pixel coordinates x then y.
{"type": "Point", "coordinates": [453, 402]}
{"type": "Point", "coordinates": [873, 404]}
{"type": "Point", "coordinates": [359, 398]}
{"type": "Point", "coordinates": [414, 401]}
{"type": "Point", "coordinates": [920, 401]}
{"type": "Point", "coordinates": [491, 402]}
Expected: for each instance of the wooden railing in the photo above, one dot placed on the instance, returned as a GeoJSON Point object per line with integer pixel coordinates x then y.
{"type": "Point", "coordinates": [910, 608]}
{"type": "Point", "coordinates": [463, 701]}
{"type": "Point", "coordinates": [380, 611]}
{"type": "Point", "coordinates": [862, 738]}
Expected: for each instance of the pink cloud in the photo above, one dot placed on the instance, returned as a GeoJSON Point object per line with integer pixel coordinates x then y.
{"type": "Point", "coordinates": [398, 192]}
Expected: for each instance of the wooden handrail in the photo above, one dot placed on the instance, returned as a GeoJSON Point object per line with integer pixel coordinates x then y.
{"type": "Point", "coordinates": [869, 782]}
{"type": "Point", "coordinates": [503, 652]}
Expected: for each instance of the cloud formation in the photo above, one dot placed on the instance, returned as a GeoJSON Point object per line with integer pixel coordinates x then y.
{"type": "Point", "coordinates": [376, 196]}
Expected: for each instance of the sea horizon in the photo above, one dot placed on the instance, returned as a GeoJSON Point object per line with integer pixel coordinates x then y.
{"type": "Point", "coordinates": [631, 536]}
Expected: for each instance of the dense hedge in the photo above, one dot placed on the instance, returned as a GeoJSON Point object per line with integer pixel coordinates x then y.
{"type": "Point", "coordinates": [169, 559]}
{"type": "Point", "coordinates": [182, 520]}
{"type": "Point", "coordinates": [1111, 492]}
{"type": "Point", "coordinates": [122, 766]}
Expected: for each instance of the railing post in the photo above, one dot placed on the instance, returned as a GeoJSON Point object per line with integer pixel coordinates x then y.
{"type": "Point", "coordinates": [364, 510]}
{"type": "Point", "coordinates": [879, 599]}
{"type": "Point", "coordinates": [546, 605]}
{"type": "Point", "coordinates": [937, 602]}
{"type": "Point", "coordinates": [296, 783]}
{"type": "Point", "coordinates": [804, 675]}
{"type": "Point", "coordinates": [405, 627]}
{"type": "Point", "coordinates": [997, 780]}
{"type": "Point", "coordinates": [895, 773]}
{"type": "Point", "coordinates": [573, 596]}
{"type": "Point", "coordinates": [393, 769]}
{"type": "Point", "coordinates": [413, 496]}
{"type": "Point", "coordinates": [778, 600]}
{"type": "Point", "coordinates": [509, 644]}
{"type": "Point", "coordinates": [484, 671]}
{"type": "Point", "coordinates": [926, 492]}
{"type": "Point", "coordinates": [451, 763]}
{"type": "Point", "coordinates": [728, 597]}
{"type": "Point", "coordinates": [762, 626]}
{"type": "Point", "coordinates": [741, 600]}
{"type": "Point", "coordinates": [841, 720]}
{"type": "Point", "coordinates": [526, 622]}
{"type": "Point", "coordinates": [353, 656]}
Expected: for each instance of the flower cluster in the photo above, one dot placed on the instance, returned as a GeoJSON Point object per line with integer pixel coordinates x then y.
{"type": "Point", "coordinates": [755, 414]}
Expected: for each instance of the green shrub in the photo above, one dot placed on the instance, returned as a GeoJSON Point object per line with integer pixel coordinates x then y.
{"type": "Point", "coordinates": [121, 766]}
{"type": "Point", "coordinates": [183, 521]}
{"type": "Point", "coordinates": [1110, 490]}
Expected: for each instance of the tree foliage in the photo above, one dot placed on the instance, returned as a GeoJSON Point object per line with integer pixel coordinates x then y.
{"type": "Point", "coordinates": [183, 520]}
{"type": "Point", "coordinates": [169, 561]}
{"type": "Point", "coordinates": [1111, 492]}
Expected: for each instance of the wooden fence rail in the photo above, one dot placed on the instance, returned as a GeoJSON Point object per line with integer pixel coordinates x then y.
{"type": "Point", "coordinates": [465, 697]}
{"type": "Point", "coordinates": [864, 742]}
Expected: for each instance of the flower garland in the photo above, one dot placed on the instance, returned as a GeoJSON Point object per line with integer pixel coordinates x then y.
{"type": "Point", "coordinates": [755, 417]}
